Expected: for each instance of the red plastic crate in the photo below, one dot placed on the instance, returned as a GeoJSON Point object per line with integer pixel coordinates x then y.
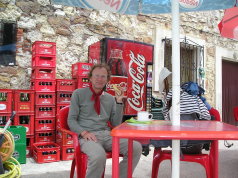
{"type": "Point", "coordinates": [82, 82]}
{"type": "Point", "coordinates": [42, 124]}
{"type": "Point", "coordinates": [60, 106]}
{"type": "Point", "coordinates": [24, 100]}
{"type": "Point", "coordinates": [67, 153]}
{"type": "Point", "coordinates": [63, 138]}
{"type": "Point", "coordinates": [57, 122]}
{"type": "Point", "coordinates": [45, 136]}
{"type": "Point", "coordinates": [43, 85]}
{"type": "Point", "coordinates": [4, 118]}
{"type": "Point", "coordinates": [43, 61]}
{"type": "Point", "coordinates": [46, 152]}
{"type": "Point", "coordinates": [43, 73]}
{"type": "Point", "coordinates": [26, 120]}
{"type": "Point", "coordinates": [6, 100]}
{"type": "Point", "coordinates": [43, 48]}
{"type": "Point", "coordinates": [65, 85]}
{"type": "Point", "coordinates": [80, 69]}
{"type": "Point", "coordinates": [44, 111]}
{"type": "Point", "coordinates": [43, 98]}
{"type": "Point", "coordinates": [29, 145]}
{"type": "Point", "coordinates": [64, 97]}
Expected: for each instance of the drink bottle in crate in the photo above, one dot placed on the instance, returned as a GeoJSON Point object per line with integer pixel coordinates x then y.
{"type": "Point", "coordinates": [46, 152]}
{"type": "Point", "coordinates": [65, 85]}
{"type": "Point", "coordinates": [67, 153]}
{"type": "Point", "coordinates": [43, 98]}
{"type": "Point", "coordinates": [27, 120]}
{"type": "Point", "coordinates": [24, 101]}
{"type": "Point", "coordinates": [43, 85]}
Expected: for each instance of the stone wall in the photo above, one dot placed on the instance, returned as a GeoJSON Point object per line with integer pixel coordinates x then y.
{"type": "Point", "coordinates": [74, 29]}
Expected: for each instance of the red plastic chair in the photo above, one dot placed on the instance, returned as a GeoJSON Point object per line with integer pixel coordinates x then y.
{"type": "Point", "coordinates": [206, 160]}
{"type": "Point", "coordinates": [80, 159]}
{"type": "Point", "coordinates": [235, 111]}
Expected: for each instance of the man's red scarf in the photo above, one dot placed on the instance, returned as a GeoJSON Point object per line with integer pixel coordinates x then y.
{"type": "Point", "coordinates": [96, 98]}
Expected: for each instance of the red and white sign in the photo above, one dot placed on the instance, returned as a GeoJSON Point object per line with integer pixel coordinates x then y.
{"type": "Point", "coordinates": [190, 4]}
{"type": "Point", "coordinates": [113, 6]}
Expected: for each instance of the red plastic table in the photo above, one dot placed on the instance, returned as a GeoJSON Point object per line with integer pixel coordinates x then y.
{"type": "Point", "coordinates": [188, 130]}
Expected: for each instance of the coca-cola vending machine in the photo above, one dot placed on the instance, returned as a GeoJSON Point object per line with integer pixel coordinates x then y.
{"type": "Point", "coordinates": [129, 62]}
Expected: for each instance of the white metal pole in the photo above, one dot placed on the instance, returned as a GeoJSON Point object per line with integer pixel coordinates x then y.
{"type": "Point", "coordinates": [156, 66]}
{"type": "Point", "coordinates": [175, 86]}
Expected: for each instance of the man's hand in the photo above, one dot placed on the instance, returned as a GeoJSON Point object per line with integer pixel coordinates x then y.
{"type": "Point", "coordinates": [119, 94]}
{"type": "Point", "coordinates": [88, 136]}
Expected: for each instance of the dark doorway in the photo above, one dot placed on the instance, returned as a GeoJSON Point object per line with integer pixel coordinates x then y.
{"type": "Point", "coordinates": [7, 43]}
{"type": "Point", "coordinates": [229, 90]}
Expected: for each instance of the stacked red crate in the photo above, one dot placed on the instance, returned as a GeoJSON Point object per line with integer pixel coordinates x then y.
{"type": "Point", "coordinates": [64, 90]}
{"type": "Point", "coordinates": [80, 72]}
{"type": "Point", "coordinates": [24, 106]}
{"type": "Point", "coordinates": [43, 81]}
{"type": "Point", "coordinates": [46, 152]}
{"type": "Point", "coordinates": [29, 145]}
{"type": "Point", "coordinates": [5, 105]}
{"type": "Point", "coordinates": [65, 140]}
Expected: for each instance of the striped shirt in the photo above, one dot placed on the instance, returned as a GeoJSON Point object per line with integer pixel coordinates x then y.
{"type": "Point", "coordinates": [188, 104]}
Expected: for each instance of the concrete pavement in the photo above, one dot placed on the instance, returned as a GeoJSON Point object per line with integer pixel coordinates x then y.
{"type": "Point", "coordinates": [228, 167]}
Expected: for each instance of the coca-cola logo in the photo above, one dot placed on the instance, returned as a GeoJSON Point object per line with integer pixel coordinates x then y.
{"type": "Point", "coordinates": [190, 4]}
{"type": "Point", "coordinates": [110, 5]}
{"type": "Point", "coordinates": [137, 74]}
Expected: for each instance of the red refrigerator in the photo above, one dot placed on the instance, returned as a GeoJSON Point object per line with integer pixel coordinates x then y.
{"type": "Point", "coordinates": [131, 66]}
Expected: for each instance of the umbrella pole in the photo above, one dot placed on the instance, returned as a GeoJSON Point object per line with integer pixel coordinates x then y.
{"type": "Point", "coordinates": [175, 86]}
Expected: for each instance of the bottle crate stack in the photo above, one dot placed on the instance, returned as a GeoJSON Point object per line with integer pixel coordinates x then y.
{"type": "Point", "coordinates": [44, 83]}
{"type": "Point", "coordinates": [64, 90]}
{"type": "Point", "coordinates": [80, 72]}
{"type": "Point", "coordinates": [23, 102]}
{"type": "Point", "coordinates": [8, 103]}
{"type": "Point", "coordinates": [65, 141]}
{"type": "Point", "coordinates": [5, 105]}
{"type": "Point", "coordinates": [37, 109]}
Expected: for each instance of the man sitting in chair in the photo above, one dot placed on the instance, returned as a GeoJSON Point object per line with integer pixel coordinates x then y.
{"type": "Point", "coordinates": [90, 111]}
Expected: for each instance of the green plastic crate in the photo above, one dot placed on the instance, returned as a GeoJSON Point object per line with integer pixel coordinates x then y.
{"type": "Point", "coordinates": [20, 153]}
{"type": "Point", "coordinates": [18, 133]}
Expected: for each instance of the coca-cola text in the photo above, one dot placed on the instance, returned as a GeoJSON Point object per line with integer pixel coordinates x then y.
{"type": "Point", "coordinates": [138, 79]}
